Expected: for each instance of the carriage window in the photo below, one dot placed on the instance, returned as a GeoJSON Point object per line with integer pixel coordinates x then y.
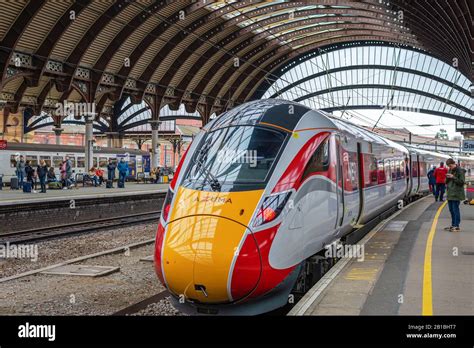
{"type": "Point", "coordinates": [102, 162]}
{"type": "Point", "coordinates": [381, 172]}
{"type": "Point", "coordinates": [57, 161]}
{"type": "Point", "coordinates": [46, 159]}
{"type": "Point", "coordinates": [319, 162]}
{"type": "Point", "coordinates": [95, 162]}
{"type": "Point", "coordinates": [12, 161]}
{"type": "Point", "coordinates": [33, 160]}
{"type": "Point", "coordinates": [370, 170]}
{"type": "Point", "coordinates": [81, 162]}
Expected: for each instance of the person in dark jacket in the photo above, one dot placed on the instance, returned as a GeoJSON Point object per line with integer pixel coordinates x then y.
{"type": "Point", "coordinates": [123, 172]}
{"type": "Point", "coordinates": [111, 170]}
{"type": "Point", "coordinates": [42, 171]}
{"type": "Point", "coordinates": [51, 175]}
{"type": "Point", "coordinates": [432, 180]}
{"type": "Point", "coordinates": [455, 180]}
{"type": "Point", "coordinates": [30, 172]}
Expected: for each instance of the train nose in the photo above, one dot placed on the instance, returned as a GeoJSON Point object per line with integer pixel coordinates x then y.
{"type": "Point", "coordinates": [200, 255]}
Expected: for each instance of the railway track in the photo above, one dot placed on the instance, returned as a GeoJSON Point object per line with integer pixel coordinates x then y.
{"type": "Point", "coordinates": [137, 307]}
{"type": "Point", "coordinates": [76, 228]}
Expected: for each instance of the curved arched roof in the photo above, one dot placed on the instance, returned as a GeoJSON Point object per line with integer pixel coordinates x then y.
{"type": "Point", "coordinates": [207, 55]}
{"type": "Point", "coordinates": [366, 76]}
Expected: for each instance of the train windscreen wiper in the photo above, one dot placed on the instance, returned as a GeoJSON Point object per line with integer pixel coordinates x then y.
{"type": "Point", "coordinates": [208, 176]}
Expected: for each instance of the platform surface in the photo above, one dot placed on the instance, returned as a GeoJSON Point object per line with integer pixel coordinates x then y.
{"type": "Point", "coordinates": [8, 197]}
{"type": "Point", "coordinates": [393, 278]}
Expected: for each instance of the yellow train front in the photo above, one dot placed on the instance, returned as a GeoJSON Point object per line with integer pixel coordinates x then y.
{"type": "Point", "coordinates": [208, 252]}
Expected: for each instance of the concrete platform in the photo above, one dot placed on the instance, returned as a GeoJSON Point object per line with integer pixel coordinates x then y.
{"type": "Point", "coordinates": [404, 272]}
{"type": "Point", "coordinates": [9, 197]}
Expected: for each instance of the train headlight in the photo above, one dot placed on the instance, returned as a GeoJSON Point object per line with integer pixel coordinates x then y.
{"type": "Point", "coordinates": [167, 205]}
{"type": "Point", "coordinates": [271, 208]}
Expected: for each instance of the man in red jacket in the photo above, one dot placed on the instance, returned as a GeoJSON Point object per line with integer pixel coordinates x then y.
{"type": "Point", "coordinates": [440, 176]}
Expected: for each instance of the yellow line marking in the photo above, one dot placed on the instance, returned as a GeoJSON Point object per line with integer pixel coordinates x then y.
{"type": "Point", "coordinates": [427, 308]}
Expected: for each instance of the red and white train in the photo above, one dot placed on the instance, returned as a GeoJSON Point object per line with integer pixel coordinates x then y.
{"type": "Point", "coordinates": [263, 188]}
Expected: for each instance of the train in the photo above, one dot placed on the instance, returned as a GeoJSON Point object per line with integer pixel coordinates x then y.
{"type": "Point", "coordinates": [261, 190]}
{"type": "Point", "coordinates": [53, 155]}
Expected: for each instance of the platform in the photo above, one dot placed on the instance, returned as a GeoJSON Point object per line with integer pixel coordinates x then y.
{"type": "Point", "coordinates": [9, 197]}
{"type": "Point", "coordinates": [411, 266]}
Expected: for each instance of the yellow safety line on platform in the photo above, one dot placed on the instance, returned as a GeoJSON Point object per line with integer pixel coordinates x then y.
{"type": "Point", "coordinates": [427, 308]}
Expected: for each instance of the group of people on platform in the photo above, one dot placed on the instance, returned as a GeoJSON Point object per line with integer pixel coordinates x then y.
{"type": "Point", "coordinates": [28, 176]}
{"type": "Point", "coordinates": [96, 175]}
{"type": "Point", "coordinates": [43, 174]}
{"type": "Point", "coordinates": [451, 178]}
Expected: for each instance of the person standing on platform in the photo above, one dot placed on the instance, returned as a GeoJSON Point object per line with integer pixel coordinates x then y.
{"type": "Point", "coordinates": [42, 171]}
{"type": "Point", "coordinates": [20, 171]}
{"type": "Point", "coordinates": [432, 180]}
{"type": "Point", "coordinates": [123, 171]}
{"type": "Point", "coordinates": [111, 170]}
{"type": "Point", "coordinates": [440, 176]}
{"type": "Point", "coordinates": [455, 181]}
{"type": "Point", "coordinates": [30, 172]}
{"type": "Point", "coordinates": [68, 172]}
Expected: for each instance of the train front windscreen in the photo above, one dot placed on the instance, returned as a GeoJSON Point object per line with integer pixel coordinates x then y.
{"type": "Point", "coordinates": [234, 158]}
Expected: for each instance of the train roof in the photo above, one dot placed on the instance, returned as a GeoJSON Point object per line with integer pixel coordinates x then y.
{"type": "Point", "coordinates": [68, 148]}
{"type": "Point", "coordinates": [427, 152]}
{"type": "Point", "coordinates": [362, 133]}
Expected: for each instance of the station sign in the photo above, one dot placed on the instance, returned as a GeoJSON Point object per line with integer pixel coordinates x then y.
{"type": "Point", "coordinates": [3, 144]}
{"type": "Point", "coordinates": [468, 145]}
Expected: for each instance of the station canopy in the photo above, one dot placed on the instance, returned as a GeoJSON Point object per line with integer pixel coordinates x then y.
{"type": "Point", "coordinates": [204, 57]}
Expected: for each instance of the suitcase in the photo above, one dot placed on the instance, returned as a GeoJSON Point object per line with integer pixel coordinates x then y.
{"type": "Point", "coordinates": [55, 185]}
{"type": "Point", "coordinates": [27, 187]}
{"type": "Point", "coordinates": [14, 184]}
{"type": "Point", "coordinates": [109, 184]}
{"type": "Point", "coordinates": [121, 184]}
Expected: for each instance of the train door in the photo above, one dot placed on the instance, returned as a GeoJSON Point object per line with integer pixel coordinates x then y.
{"type": "Point", "coordinates": [340, 183]}
{"type": "Point", "coordinates": [360, 170]}
{"type": "Point", "coordinates": [418, 183]}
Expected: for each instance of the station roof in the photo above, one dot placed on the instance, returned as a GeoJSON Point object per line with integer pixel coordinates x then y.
{"type": "Point", "coordinates": [205, 55]}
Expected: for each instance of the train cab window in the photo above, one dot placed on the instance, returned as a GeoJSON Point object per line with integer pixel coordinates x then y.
{"type": "Point", "coordinates": [102, 162]}
{"type": "Point", "coordinates": [236, 157]}
{"type": "Point", "coordinates": [81, 162]}
{"type": "Point", "coordinates": [57, 161]}
{"type": "Point", "coordinates": [46, 159]}
{"type": "Point", "coordinates": [319, 161]}
{"type": "Point", "coordinates": [33, 160]}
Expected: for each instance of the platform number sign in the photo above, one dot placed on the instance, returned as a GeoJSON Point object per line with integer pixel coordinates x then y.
{"type": "Point", "coordinates": [3, 144]}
